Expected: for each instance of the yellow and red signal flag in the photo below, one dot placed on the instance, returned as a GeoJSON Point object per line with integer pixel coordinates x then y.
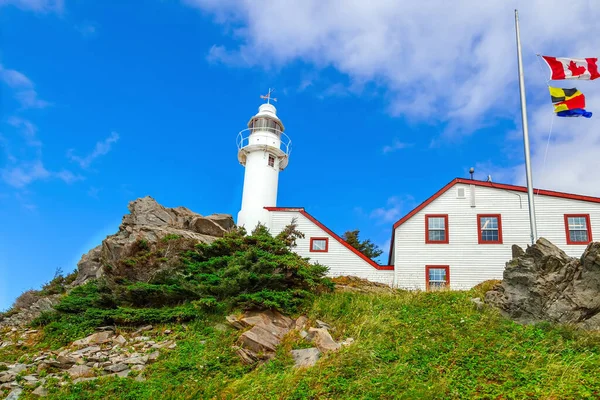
{"type": "Point", "coordinates": [572, 68]}
{"type": "Point", "coordinates": [568, 102]}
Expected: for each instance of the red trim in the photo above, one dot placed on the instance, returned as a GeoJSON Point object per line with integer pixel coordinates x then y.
{"type": "Point", "coordinates": [499, 241]}
{"type": "Point", "coordinates": [428, 267]}
{"type": "Point", "coordinates": [486, 184]}
{"type": "Point", "coordinates": [589, 228]}
{"type": "Point", "coordinates": [333, 235]}
{"type": "Point", "coordinates": [319, 251]}
{"type": "Point", "coordinates": [447, 237]}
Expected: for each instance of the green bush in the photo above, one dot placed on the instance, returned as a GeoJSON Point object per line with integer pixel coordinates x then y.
{"type": "Point", "coordinates": [255, 271]}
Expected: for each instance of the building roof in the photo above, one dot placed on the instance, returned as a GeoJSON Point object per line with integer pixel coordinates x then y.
{"type": "Point", "coordinates": [332, 234]}
{"type": "Point", "coordinates": [502, 186]}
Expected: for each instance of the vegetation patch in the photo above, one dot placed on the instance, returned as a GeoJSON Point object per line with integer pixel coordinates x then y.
{"type": "Point", "coordinates": [255, 271]}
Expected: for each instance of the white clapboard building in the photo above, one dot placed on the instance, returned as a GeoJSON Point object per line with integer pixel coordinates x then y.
{"type": "Point", "coordinates": [459, 237]}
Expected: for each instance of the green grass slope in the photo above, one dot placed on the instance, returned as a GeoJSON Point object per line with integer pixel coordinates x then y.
{"type": "Point", "coordinates": [408, 346]}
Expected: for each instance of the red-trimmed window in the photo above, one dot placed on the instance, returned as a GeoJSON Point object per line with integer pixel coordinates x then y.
{"type": "Point", "coordinates": [489, 228]}
{"type": "Point", "coordinates": [578, 228]}
{"type": "Point", "coordinates": [319, 245]}
{"type": "Point", "coordinates": [436, 228]}
{"type": "Point", "coordinates": [437, 277]}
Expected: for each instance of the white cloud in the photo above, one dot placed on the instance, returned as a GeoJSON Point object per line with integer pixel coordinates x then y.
{"type": "Point", "coordinates": [23, 87]}
{"type": "Point", "coordinates": [41, 6]}
{"type": "Point", "coordinates": [395, 207]}
{"type": "Point", "coordinates": [448, 62]}
{"type": "Point", "coordinates": [101, 148]}
{"type": "Point", "coordinates": [396, 145]}
{"type": "Point", "coordinates": [23, 174]}
{"type": "Point", "coordinates": [28, 130]}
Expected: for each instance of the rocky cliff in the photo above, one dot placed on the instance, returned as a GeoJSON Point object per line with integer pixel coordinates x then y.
{"type": "Point", "coordinates": [544, 284]}
{"type": "Point", "coordinates": [147, 223]}
{"type": "Point", "coordinates": [150, 221]}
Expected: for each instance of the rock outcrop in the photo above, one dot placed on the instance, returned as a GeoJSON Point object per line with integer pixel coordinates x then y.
{"type": "Point", "coordinates": [544, 284]}
{"type": "Point", "coordinates": [150, 221]}
{"type": "Point", "coordinates": [26, 315]}
{"type": "Point", "coordinates": [268, 328]}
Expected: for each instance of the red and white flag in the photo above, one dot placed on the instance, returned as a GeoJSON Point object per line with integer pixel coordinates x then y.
{"type": "Point", "coordinates": [572, 68]}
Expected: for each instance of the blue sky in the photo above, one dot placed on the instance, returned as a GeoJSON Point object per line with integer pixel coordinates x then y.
{"type": "Point", "coordinates": [105, 102]}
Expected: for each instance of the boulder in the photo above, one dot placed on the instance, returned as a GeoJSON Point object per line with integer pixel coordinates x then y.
{"type": "Point", "coordinates": [150, 221]}
{"type": "Point", "coordinates": [80, 371]}
{"type": "Point", "coordinates": [95, 338]}
{"type": "Point", "coordinates": [323, 340]}
{"type": "Point", "coordinates": [15, 394]}
{"type": "Point", "coordinates": [259, 340]}
{"type": "Point", "coordinates": [306, 357]}
{"type": "Point", "coordinates": [544, 284]}
{"type": "Point", "coordinates": [40, 391]}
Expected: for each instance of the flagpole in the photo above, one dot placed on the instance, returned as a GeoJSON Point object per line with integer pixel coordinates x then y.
{"type": "Point", "coordinates": [532, 221]}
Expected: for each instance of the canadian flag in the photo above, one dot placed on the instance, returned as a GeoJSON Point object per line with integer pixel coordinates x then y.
{"type": "Point", "coordinates": [572, 68]}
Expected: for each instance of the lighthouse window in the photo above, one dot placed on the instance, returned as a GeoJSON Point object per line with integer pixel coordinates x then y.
{"type": "Point", "coordinates": [271, 161]}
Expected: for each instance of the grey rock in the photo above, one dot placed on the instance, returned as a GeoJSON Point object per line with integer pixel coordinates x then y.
{"type": "Point", "coordinates": [96, 338]}
{"type": "Point", "coordinates": [15, 394]}
{"type": "Point", "coordinates": [26, 315]}
{"type": "Point", "coordinates": [322, 325]}
{"type": "Point", "coordinates": [544, 284]}
{"type": "Point", "coordinates": [124, 373]}
{"type": "Point", "coordinates": [517, 251]}
{"type": "Point", "coordinates": [347, 342]}
{"type": "Point", "coordinates": [152, 357]}
{"type": "Point", "coordinates": [116, 368]}
{"type": "Point", "coordinates": [323, 340]}
{"type": "Point", "coordinates": [477, 302]}
{"type": "Point", "coordinates": [138, 367]}
{"type": "Point", "coordinates": [40, 391]}
{"type": "Point", "coordinates": [234, 322]}
{"type": "Point", "coordinates": [306, 357]}
{"type": "Point", "coordinates": [7, 377]}
{"type": "Point", "coordinates": [301, 322]}
{"type": "Point", "coordinates": [120, 340]}
{"type": "Point", "coordinates": [18, 368]}
{"type": "Point", "coordinates": [142, 329]}
{"type": "Point", "coordinates": [140, 378]}
{"type": "Point", "coordinates": [80, 371]}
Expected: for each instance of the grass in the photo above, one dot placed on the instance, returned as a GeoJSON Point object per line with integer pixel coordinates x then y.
{"type": "Point", "coordinates": [408, 346]}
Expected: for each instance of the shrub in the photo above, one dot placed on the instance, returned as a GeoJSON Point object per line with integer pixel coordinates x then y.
{"type": "Point", "coordinates": [236, 271]}
{"type": "Point", "coordinates": [26, 299]}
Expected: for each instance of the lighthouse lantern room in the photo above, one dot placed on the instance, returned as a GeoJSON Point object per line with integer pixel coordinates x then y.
{"type": "Point", "coordinates": [264, 150]}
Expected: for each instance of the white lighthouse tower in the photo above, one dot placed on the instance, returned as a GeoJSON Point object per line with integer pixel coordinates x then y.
{"type": "Point", "coordinates": [264, 150]}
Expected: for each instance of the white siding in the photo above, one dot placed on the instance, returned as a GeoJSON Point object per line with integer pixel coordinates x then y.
{"type": "Point", "coordinates": [340, 260]}
{"type": "Point", "coordinates": [471, 263]}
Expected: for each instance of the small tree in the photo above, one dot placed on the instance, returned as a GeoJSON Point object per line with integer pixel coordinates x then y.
{"type": "Point", "coordinates": [367, 247]}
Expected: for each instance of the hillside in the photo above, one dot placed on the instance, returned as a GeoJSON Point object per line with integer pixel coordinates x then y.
{"type": "Point", "coordinates": [407, 345]}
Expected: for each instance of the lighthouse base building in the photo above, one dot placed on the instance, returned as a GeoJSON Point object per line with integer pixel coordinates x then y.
{"type": "Point", "coordinates": [461, 236]}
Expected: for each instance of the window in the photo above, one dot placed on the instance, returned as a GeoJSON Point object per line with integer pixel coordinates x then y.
{"type": "Point", "coordinates": [460, 193]}
{"type": "Point", "coordinates": [271, 161]}
{"type": "Point", "coordinates": [319, 245]}
{"type": "Point", "coordinates": [490, 229]}
{"type": "Point", "coordinates": [437, 277]}
{"type": "Point", "coordinates": [436, 228]}
{"type": "Point", "coordinates": [578, 228]}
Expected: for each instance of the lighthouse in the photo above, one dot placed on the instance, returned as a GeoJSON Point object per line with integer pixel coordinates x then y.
{"type": "Point", "coordinates": [264, 150]}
